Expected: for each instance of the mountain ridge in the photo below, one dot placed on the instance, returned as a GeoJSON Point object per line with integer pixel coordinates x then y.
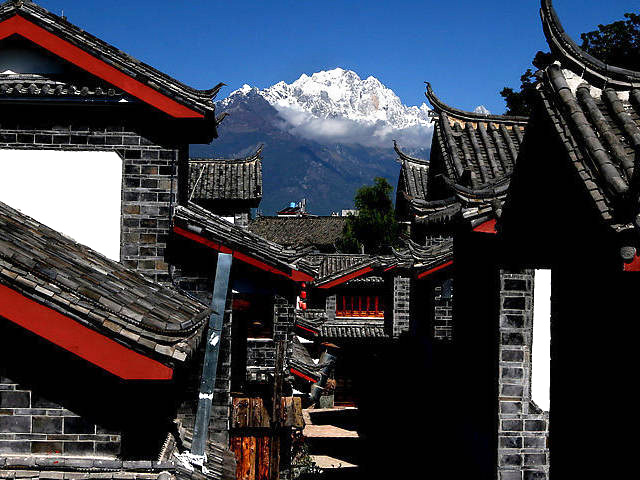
{"type": "Point", "coordinates": [324, 136]}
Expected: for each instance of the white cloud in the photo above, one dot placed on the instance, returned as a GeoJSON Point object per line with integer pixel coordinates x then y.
{"type": "Point", "coordinates": [343, 130]}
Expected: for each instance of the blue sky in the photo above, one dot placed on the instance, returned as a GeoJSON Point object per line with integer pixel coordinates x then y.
{"type": "Point", "coordinates": [467, 49]}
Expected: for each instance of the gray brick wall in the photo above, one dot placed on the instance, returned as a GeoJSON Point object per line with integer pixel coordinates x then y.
{"type": "Point", "coordinates": [523, 452]}
{"type": "Point", "coordinates": [401, 305]}
{"type": "Point", "coordinates": [443, 310]}
{"type": "Point", "coordinates": [330, 307]}
{"type": "Point", "coordinates": [30, 424]}
{"type": "Point", "coordinates": [147, 187]}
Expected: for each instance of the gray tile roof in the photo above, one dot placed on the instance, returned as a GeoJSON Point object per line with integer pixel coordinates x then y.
{"type": "Point", "coordinates": [414, 175]}
{"type": "Point", "coordinates": [35, 86]}
{"type": "Point", "coordinates": [215, 228]}
{"type": "Point", "coordinates": [102, 294]}
{"type": "Point", "coordinates": [318, 232]}
{"type": "Point", "coordinates": [219, 179]}
{"type": "Point", "coordinates": [594, 109]}
{"type": "Point", "coordinates": [424, 258]}
{"type": "Point", "coordinates": [476, 152]}
{"type": "Point", "coordinates": [198, 100]}
{"type": "Point", "coordinates": [317, 320]}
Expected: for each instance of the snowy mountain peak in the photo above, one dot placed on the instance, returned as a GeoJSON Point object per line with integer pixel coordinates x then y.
{"type": "Point", "coordinates": [340, 93]}
{"type": "Point", "coordinates": [338, 105]}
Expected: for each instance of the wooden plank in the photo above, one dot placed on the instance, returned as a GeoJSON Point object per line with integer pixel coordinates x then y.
{"type": "Point", "coordinates": [298, 420]}
{"type": "Point", "coordinates": [263, 458]}
{"type": "Point", "coordinates": [247, 469]}
{"type": "Point", "coordinates": [235, 444]}
{"type": "Point", "coordinates": [240, 415]}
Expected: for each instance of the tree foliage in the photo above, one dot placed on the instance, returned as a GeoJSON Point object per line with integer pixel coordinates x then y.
{"type": "Point", "coordinates": [617, 43]}
{"type": "Point", "coordinates": [375, 228]}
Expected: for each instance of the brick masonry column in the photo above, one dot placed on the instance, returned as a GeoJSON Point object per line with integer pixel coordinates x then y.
{"type": "Point", "coordinates": [330, 307]}
{"type": "Point", "coordinates": [401, 304]}
{"type": "Point", "coordinates": [523, 452]}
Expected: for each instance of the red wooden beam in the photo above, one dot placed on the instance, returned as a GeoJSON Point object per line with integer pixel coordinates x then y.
{"type": "Point", "coordinates": [307, 329]}
{"type": "Point", "coordinates": [302, 375]}
{"type": "Point", "coordinates": [346, 278]}
{"type": "Point", "coordinates": [634, 266]}
{"type": "Point", "coordinates": [487, 227]}
{"type": "Point", "coordinates": [63, 49]}
{"type": "Point", "coordinates": [435, 269]}
{"type": "Point", "coordinates": [78, 339]}
{"type": "Point", "coordinates": [295, 275]}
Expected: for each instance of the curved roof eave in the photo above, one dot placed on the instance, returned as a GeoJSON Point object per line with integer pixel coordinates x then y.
{"type": "Point", "coordinates": [571, 56]}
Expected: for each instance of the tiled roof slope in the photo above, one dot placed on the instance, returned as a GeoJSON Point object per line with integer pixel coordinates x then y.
{"type": "Point", "coordinates": [218, 179]}
{"type": "Point", "coordinates": [414, 175]}
{"type": "Point", "coordinates": [474, 158]}
{"type": "Point", "coordinates": [319, 232]}
{"type": "Point", "coordinates": [332, 266]}
{"type": "Point", "coordinates": [351, 328]}
{"type": "Point", "coordinates": [199, 100]}
{"type": "Point", "coordinates": [35, 86]}
{"type": "Point", "coordinates": [425, 257]}
{"type": "Point", "coordinates": [53, 270]}
{"type": "Point", "coordinates": [595, 111]}
{"type": "Point", "coordinates": [215, 228]}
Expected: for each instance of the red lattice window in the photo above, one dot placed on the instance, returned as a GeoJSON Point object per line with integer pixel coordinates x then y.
{"type": "Point", "coordinates": [360, 306]}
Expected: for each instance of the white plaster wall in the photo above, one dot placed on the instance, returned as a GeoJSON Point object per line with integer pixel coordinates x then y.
{"type": "Point", "coordinates": [76, 193]}
{"type": "Point", "coordinates": [541, 348]}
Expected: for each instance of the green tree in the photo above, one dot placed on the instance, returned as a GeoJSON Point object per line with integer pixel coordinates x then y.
{"type": "Point", "coordinates": [617, 43]}
{"type": "Point", "coordinates": [375, 228]}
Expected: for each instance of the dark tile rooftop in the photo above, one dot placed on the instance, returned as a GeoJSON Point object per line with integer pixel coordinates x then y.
{"type": "Point", "coordinates": [478, 153]}
{"type": "Point", "coordinates": [595, 111]}
{"type": "Point", "coordinates": [23, 85]}
{"type": "Point", "coordinates": [351, 328]}
{"type": "Point", "coordinates": [321, 233]}
{"type": "Point", "coordinates": [213, 227]}
{"type": "Point", "coordinates": [199, 100]}
{"type": "Point", "coordinates": [215, 179]}
{"type": "Point", "coordinates": [102, 294]}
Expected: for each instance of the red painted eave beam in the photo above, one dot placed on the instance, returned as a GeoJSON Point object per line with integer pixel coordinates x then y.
{"type": "Point", "coordinates": [302, 375]}
{"type": "Point", "coordinates": [307, 329]}
{"type": "Point", "coordinates": [435, 269]}
{"type": "Point", "coordinates": [487, 227]}
{"type": "Point", "coordinates": [78, 339]}
{"type": "Point", "coordinates": [63, 49]}
{"type": "Point", "coordinates": [346, 278]}
{"type": "Point", "coordinates": [295, 275]}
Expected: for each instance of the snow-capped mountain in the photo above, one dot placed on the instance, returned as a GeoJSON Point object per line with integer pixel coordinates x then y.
{"type": "Point", "coordinates": [337, 105]}
{"type": "Point", "coordinates": [324, 136]}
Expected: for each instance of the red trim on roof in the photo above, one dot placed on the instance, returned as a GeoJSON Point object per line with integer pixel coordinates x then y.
{"type": "Point", "coordinates": [307, 329]}
{"type": "Point", "coordinates": [487, 227]}
{"type": "Point", "coordinates": [302, 375]}
{"type": "Point", "coordinates": [433, 270]}
{"type": "Point", "coordinates": [78, 339]}
{"type": "Point", "coordinates": [634, 266]}
{"type": "Point", "coordinates": [295, 275]}
{"type": "Point", "coordinates": [388, 269]}
{"type": "Point", "coordinates": [71, 53]}
{"type": "Point", "coordinates": [346, 278]}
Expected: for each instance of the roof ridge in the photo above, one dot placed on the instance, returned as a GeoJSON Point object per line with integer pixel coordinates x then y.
{"type": "Point", "coordinates": [404, 157]}
{"type": "Point", "coordinates": [257, 155]}
{"type": "Point", "coordinates": [574, 58]}
{"type": "Point", "coordinates": [439, 106]}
